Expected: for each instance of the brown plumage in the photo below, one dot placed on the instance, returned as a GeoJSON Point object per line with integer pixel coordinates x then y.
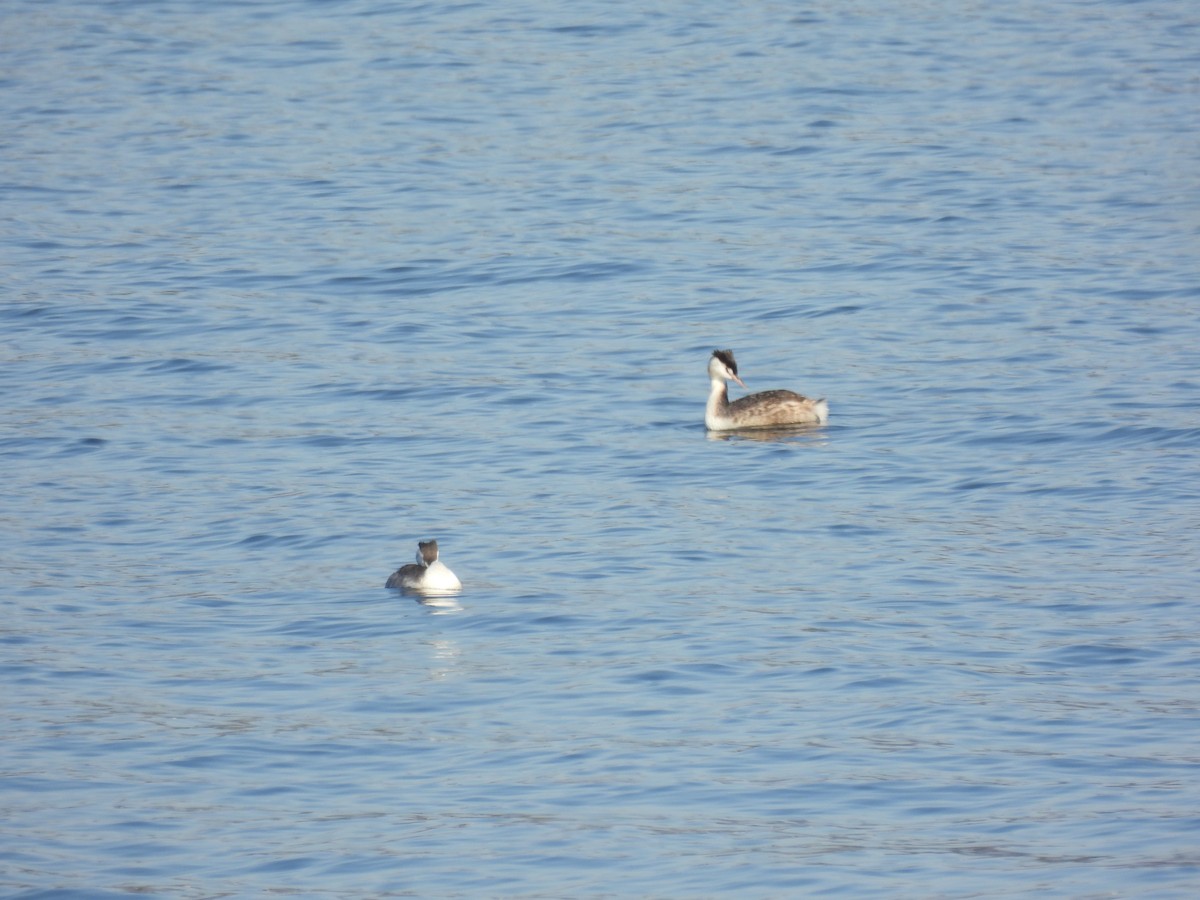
{"type": "Point", "coordinates": [766, 409]}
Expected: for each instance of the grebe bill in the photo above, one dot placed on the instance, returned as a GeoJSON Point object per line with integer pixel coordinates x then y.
{"type": "Point", "coordinates": [766, 409]}
{"type": "Point", "coordinates": [428, 574]}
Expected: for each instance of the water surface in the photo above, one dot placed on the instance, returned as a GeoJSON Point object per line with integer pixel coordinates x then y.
{"type": "Point", "coordinates": [287, 287]}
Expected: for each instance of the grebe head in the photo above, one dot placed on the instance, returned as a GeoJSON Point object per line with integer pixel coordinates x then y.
{"type": "Point", "coordinates": [427, 553]}
{"type": "Point", "coordinates": [723, 366]}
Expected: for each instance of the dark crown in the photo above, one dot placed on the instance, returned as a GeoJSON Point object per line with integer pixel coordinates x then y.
{"type": "Point", "coordinates": [726, 357]}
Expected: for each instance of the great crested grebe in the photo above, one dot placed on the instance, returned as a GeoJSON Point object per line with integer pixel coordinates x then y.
{"type": "Point", "coordinates": [427, 574]}
{"type": "Point", "coordinates": [762, 410]}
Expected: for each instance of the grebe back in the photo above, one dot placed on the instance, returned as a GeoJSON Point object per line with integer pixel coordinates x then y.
{"type": "Point", "coordinates": [766, 409]}
{"type": "Point", "coordinates": [428, 574]}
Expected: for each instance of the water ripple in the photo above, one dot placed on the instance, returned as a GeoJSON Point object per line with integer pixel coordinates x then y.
{"type": "Point", "coordinates": [285, 294]}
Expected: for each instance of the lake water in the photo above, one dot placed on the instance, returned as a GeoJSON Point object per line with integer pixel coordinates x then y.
{"type": "Point", "coordinates": [287, 287]}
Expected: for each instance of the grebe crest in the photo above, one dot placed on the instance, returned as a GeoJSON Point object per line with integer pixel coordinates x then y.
{"type": "Point", "coordinates": [767, 409]}
{"type": "Point", "coordinates": [427, 575]}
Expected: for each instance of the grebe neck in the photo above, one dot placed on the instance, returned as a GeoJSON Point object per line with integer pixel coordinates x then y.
{"type": "Point", "coordinates": [719, 393]}
{"type": "Point", "coordinates": [717, 411]}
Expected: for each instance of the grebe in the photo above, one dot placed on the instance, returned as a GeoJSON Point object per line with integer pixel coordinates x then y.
{"type": "Point", "coordinates": [428, 574]}
{"type": "Point", "coordinates": [762, 410]}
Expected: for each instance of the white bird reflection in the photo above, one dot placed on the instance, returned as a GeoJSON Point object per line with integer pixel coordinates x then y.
{"type": "Point", "coordinates": [446, 658]}
{"type": "Point", "coordinates": [439, 603]}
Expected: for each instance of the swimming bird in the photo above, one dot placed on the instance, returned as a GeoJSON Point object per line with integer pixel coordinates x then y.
{"type": "Point", "coordinates": [763, 410]}
{"type": "Point", "coordinates": [427, 574]}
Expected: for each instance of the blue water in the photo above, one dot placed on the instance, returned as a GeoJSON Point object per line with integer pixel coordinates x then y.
{"type": "Point", "coordinates": [287, 287]}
